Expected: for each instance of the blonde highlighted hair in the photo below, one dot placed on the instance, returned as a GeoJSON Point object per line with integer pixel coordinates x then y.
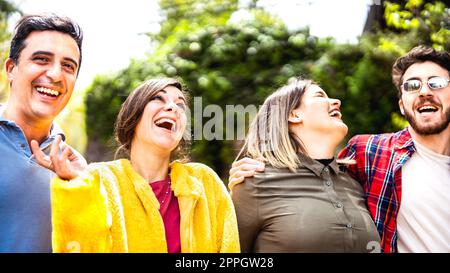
{"type": "Point", "coordinates": [269, 136]}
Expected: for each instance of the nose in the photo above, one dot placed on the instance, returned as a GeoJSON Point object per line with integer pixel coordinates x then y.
{"type": "Point", "coordinates": [54, 72]}
{"type": "Point", "coordinates": [170, 106]}
{"type": "Point", "coordinates": [336, 102]}
{"type": "Point", "coordinates": [425, 90]}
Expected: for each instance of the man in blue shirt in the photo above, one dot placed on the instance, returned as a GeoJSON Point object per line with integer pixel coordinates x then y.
{"type": "Point", "coordinates": [43, 65]}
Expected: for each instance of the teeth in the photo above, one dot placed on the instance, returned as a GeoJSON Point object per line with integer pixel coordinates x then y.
{"type": "Point", "coordinates": [423, 108]}
{"type": "Point", "coordinates": [163, 120]}
{"type": "Point", "coordinates": [335, 113]}
{"type": "Point", "coordinates": [47, 91]}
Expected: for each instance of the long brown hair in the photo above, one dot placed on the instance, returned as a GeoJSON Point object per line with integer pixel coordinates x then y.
{"type": "Point", "coordinates": [131, 113]}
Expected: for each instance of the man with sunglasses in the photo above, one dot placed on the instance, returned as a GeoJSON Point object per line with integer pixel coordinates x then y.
{"type": "Point", "coordinates": [406, 175]}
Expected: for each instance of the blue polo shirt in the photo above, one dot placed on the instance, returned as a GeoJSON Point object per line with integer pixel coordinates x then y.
{"type": "Point", "coordinates": [25, 220]}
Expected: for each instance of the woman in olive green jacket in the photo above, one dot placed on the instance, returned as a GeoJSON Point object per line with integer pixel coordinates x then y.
{"type": "Point", "coordinates": [302, 202]}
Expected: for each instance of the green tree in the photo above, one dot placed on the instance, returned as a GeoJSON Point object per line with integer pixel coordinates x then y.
{"type": "Point", "coordinates": [7, 9]}
{"type": "Point", "coordinates": [427, 21]}
{"type": "Point", "coordinates": [360, 74]}
{"type": "Point", "coordinates": [225, 64]}
{"type": "Point", "coordinates": [228, 63]}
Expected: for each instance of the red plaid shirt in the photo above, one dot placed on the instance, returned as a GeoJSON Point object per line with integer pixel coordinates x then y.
{"type": "Point", "coordinates": [379, 161]}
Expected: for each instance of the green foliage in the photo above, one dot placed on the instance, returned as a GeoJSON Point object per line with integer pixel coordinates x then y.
{"type": "Point", "coordinates": [359, 76]}
{"type": "Point", "coordinates": [72, 121]}
{"type": "Point", "coordinates": [225, 65]}
{"type": "Point", "coordinates": [428, 22]}
{"type": "Point", "coordinates": [185, 16]}
{"type": "Point", "coordinates": [6, 10]}
{"type": "Point", "coordinates": [181, 16]}
{"type": "Point", "coordinates": [241, 63]}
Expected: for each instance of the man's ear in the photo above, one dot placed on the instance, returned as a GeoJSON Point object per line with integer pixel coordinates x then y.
{"type": "Point", "coordinates": [400, 105]}
{"type": "Point", "coordinates": [9, 67]}
{"type": "Point", "coordinates": [295, 117]}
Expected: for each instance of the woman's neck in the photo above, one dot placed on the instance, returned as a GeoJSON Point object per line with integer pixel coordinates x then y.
{"type": "Point", "coordinates": [320, 147]}
{"type": "Point", "coordinates": [150, 165]}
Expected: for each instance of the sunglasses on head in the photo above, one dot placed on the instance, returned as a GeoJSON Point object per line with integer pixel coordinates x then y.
{"type": "Point", "coordinates": [433, 83]}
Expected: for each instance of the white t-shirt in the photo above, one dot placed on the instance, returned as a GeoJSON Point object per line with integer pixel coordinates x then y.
{"type": "Point", "coordinates": [423, 222]}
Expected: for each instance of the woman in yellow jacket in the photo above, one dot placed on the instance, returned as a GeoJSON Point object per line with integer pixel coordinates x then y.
{"type": "Point", "coordinates": [144, 203]}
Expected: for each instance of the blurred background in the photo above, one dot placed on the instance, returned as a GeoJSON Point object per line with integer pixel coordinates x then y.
{"type": "Point", "coordinates": [233, 52]}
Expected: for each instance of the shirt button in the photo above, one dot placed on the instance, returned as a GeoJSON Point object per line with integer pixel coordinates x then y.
{"type": "Point", "coordinates": [339, 205]}
{"type": "Point", "coordinates": [349, 225]}
{"type": "Point", "coordinates": [328, 183]}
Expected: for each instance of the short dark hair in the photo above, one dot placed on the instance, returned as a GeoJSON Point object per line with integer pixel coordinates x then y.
{"type": "Point", "coordinates": [418, 54]}
{"type": "Point", "coordinates": [41, 22]}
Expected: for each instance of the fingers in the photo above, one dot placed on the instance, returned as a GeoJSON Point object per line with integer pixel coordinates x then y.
{"type": "Point", "coordinates": [54, 151]}
{"type": "Point", "coordinates": [66, 152]}
{"type": "Point", "coordinates": [37, 152]}
{"type": "Point", "coordinates": [41, 158]}
{"type": "Point", "coordinates": [59, 160]}
{"type": "Point", "coordinates": [261, 159]}
{"type": "Point", "coordinates": [245, 167]}
{"type": "Point", "coordinates": [246, 164]}
{"type": "Point", "coordinates": [248, 167]}
{"type": "Point", "coordinates": [246, 160]}
{"type": "Point", "coordinates": [240, 175]}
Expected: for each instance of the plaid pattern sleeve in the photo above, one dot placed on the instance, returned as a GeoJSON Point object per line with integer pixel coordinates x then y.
{"type": "Point", "coordinates": [379, 159]}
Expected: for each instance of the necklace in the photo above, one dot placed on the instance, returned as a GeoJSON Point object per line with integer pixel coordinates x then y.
{"type": "Point", "coordinates": [166, 194]}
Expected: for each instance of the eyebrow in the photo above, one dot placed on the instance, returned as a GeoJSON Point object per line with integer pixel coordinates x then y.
{"type": "Point", "coordinates": [179, 97]}
{"type": "Point", "coordinates": [419, 79]}
{"type": "Point", "coordinates": [321, 92]}
{"type": "Point", "coordinates": [48, 53]}
{"type": "Point", "coordinates": [412, 78]}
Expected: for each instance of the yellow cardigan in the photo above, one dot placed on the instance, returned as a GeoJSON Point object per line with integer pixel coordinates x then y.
{"type": "Point", "coordinates": [111, 208]}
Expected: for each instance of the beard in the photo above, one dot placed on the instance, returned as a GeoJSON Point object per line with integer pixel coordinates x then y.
{"type": "Point", "coordinates": [428, 129]}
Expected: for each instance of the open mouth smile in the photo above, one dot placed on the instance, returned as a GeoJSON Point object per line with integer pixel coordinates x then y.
{"type": "Point", "coordinates": [167, 124]}
{"type": "Point", "coordinates": [427, 109]}
{"type": "Point", "coordinates": [48, 92]}
{"type": "Point", "coordinates": [336, 114]}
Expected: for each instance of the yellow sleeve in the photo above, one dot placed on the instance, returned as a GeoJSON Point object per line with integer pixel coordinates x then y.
{"type": "Point", "coordinates": [229, 235]}
{"type": "Point", "coordinates": [80, 217]}
{"type": "Point", "coordinates": [227, 228]}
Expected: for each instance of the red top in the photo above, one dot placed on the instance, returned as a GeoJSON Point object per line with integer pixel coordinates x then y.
{"type": "Point", "coordinates": [170, 213]}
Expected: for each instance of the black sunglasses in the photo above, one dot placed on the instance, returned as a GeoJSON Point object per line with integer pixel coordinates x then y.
{"type": "Point", "coordinates": [433, 83]}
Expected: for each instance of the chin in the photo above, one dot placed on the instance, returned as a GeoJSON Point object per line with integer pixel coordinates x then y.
{"type": "Point", "coordinates": [168, 145]}
{"type": "Point", "coordinates": [341, 126]}
{"type": "Point", "coordinates": [341, 131]}
{"type": "Point", "coordinates": [45, 114]}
